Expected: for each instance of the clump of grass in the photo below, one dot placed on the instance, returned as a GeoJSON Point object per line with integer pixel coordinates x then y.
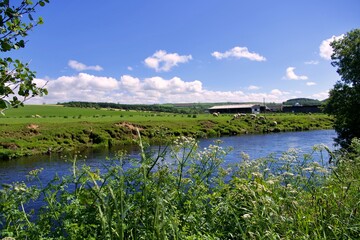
{"type": "Point", "coordinates": [183, 192]}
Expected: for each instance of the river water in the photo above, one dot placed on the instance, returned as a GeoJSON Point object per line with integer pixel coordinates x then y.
{"type": "Point", "coordinates": [256, 146]}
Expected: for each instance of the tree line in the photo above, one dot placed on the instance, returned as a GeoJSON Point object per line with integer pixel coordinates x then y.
{"type": "Point", "coordinates": [17, 80]}
{"type": "Point", "coordinates": [169, 108]}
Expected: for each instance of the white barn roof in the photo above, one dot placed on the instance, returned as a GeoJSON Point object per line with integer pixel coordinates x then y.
{"type": "Point", "coordinates": [235, 106]}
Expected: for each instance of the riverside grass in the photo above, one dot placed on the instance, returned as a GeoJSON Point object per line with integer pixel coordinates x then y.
{"type": "Point", "coordinates": [183, 192]}
{"type": "Point", "coordinates": [39, 129]}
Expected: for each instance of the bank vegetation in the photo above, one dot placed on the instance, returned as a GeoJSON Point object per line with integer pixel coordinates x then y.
{"type": "Point", "coordinates": [48, 129]}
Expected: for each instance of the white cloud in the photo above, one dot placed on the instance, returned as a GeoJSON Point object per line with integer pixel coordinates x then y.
{"type": "Point", "coordinates": [130, 89]}
{"type": "Point", "coordinates": [325, 49]}
{"type": "Point", "coordinates": [320, 95]}
{"type": "Point", "coordinates": [312, 62]}
{"type": "Point", "coordinates": [81, 87]}
{"type": "Point", "coordinates": [162, 61]}
{"type": "Point", "coordinates": [290, 74]}
{"type": "Point", "coordinates": [252, 87]}
{"type": "Point", "coordinates": [78, 66]}
{"type": "Point", "coordinates": [310, 83]}
{"type": "Point", "coordinates": [239, 52]}
{"type": "Point", "coordinates": [130, 68]}
{"type": "Point", "coordinates": [278, 92]}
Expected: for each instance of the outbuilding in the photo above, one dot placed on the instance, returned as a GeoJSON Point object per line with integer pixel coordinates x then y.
{"type": "Point", "coordinates": [302, 109]}
{"type": "Point", "coordinates": [238, 108]}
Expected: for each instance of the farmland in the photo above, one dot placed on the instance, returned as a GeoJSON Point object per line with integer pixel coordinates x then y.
{"type": "Point", "coordinates": [39, 129]}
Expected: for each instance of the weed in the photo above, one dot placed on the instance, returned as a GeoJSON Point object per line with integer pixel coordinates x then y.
{"type": "Point", "coordinates": [183, 192]}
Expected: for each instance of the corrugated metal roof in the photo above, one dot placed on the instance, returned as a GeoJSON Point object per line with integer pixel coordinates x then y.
{"type": "Point", "coordinates": [234, 106]}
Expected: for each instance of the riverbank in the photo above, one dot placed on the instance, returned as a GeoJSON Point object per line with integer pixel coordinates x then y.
{"type": "Point", "coordinates": [44, 129]}
{"type": "Point", "coordinates": [194, 197]}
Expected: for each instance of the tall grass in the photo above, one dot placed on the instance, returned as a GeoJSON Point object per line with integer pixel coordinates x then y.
{"type": "Point", "coordinates": [183, 192]}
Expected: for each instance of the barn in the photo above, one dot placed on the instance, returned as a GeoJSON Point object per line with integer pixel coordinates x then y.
{"type": "Point", "coordinates": [302, 109]}
{"type": "Point", "coordinates": [237, 108]}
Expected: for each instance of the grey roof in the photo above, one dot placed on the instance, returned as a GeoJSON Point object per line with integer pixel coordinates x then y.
{"type": "Point", "coordinates": [235, 106]}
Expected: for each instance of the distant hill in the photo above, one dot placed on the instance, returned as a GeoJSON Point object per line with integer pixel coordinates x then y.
{"type": "Point", "coordinates": [302, 102]}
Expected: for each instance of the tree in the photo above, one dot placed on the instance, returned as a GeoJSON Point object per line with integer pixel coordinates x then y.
{"type": "Point", "coordinates": [16, 79]}
{"type": "Point", "coordinates": [344, 99]}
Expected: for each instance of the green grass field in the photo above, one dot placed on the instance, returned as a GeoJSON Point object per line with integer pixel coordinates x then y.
{"type": "Point", "coordinates": [35, 129]}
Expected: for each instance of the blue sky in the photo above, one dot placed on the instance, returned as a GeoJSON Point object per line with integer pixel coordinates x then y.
{"type": "Point", "coordinates": [162, 51]}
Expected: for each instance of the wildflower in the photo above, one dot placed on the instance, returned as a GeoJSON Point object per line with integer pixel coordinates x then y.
{"type": "Point", "coordinates": [246, 216]}
{"type": "Point", "coordinates": [270, 182]}
{"type": "Point", "coordinates": [244, 156]}
{"type": "Point", "coordinates": [35, 172]}
{"type": "Point", "coordinates": [288, 174]}
{"type": "Point", "coordinates": [315, 164]}
{"type": "Point", "coordinates": [257, 175]}
{"type": "Point", "coordinates": [308, 169]}
{"type": "Point", "coordinates": [19, 188]}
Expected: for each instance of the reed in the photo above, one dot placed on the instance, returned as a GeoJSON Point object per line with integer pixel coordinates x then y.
{"type": "Point", "coordinates": [183, 192]}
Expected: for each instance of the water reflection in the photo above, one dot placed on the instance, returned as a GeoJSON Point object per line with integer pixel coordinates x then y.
{"type": "Point", "coordinates": [255, 146]}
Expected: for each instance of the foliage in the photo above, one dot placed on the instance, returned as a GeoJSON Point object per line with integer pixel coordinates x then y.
{"type": "Point", "coordinates": [190, 108]}
{"type": "Point", "coordinates": [36, 129]}
{"type": "Point", "coordinates": [302, 102]}
{"type": "Point", "coordinates": [344, 99]}
{"type": "Point", "coordinates": [183, 192]}
{"type": "Point", "coordinates": [16, 79]}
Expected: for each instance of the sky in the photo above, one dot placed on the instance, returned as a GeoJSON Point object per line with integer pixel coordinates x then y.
{"type": "Point", "coordinates": [187, 51]}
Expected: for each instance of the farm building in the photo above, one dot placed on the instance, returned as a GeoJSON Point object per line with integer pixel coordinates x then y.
{"type": "Point", "coordinates": [301, 109]}
{"type": "Point", "coordinates": [237, 108]}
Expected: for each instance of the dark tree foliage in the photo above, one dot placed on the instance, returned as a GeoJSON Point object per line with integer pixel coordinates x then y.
{"type": "Point", "coordinates": [302, 101]}
{"type": "Point", "coordinates": [169, 108]}
{"type": "Point", "coordinates": [16, 79]}
{"type": "Point", "coordinates": [344, 99]}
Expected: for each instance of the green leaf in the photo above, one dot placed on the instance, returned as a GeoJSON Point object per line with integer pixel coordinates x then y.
{"type": "Point", "coordinates": [40, 21]}
{"type": "Point", "coordinates": [30, 17]}
{"type": "Point", "coordinates": [4, 104]}
{"type": "Point", "coordinates": [41, 3]}
{"type": "Point", "coordinates": [5, 46]}
{"type": "Point", "coordinates": [21, 43]}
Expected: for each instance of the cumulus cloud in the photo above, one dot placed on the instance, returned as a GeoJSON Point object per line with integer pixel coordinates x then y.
{"type": "Point", "coordinates": [161, 61]}
{"type": "Point", "coordinates": [239, 52]}
{"type": "Point", "coordinates": [320, 95]}
{"type": "Point", "coordinates": [325, 49]}
{"type": "Point", "coordinates": [81, 87]}
{"type": "Point", "coordinates": [278, 92]}
{"type": "Point", "coordinates": [130, 89]}
{"type": "Point", "coordinates": [310, 83]}
{"type": "Point", "coordinates": [253, 87]}
{"type": "Point", "coordinates": [78, 66]}
{"type": "Point", "coordinates": [290, 75]}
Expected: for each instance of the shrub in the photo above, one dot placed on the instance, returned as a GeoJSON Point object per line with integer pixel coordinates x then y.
{"type": "Point", "coordinates": [183, 192]}
{"type": "Point", "coordinates": [97, 138]}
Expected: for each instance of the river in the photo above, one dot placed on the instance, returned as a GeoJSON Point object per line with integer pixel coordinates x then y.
{"type": "Point", "coordinates": [255, 146]}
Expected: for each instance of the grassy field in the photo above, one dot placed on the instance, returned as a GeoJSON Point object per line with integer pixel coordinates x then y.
{"type": "Point", "coordinates": [194, 196]}
{"type": "Point", "coordinates": [38, 129]}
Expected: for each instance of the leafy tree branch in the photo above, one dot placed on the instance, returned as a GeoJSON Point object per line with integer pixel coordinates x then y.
{"type": "Point", "coordinates": [16, 79]}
